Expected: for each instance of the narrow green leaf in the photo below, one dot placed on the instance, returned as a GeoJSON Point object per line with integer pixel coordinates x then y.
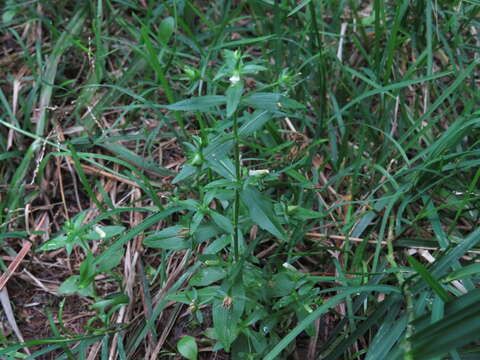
{"type": "Point", "coordinates": [111, 300]}
{"type": "Point", "coordinates": [207, 276]}
{"type": "Point", "coordinates": [187, 171]}
{"type": "Point", "coordinates": [218, 148]}
{"type": "Point", "coordinates": [271, 101]}
{"type": "Point", "coordinates": [387, 88]}
{"type": "Point", "coordinates": [261, 211]}
{"type": "Point", "coordinates": [147, 223]}
{"type": "Point", "coordinates": [48, 74]}
{"type": "Point", "coordinates": [468, 300]}
{"type": "Point", "coordinates": [299, 7]}
{"type": "Point", "coordinates": [452, 332]}
{"type": "Point", "coordinates": [198, 103]}
{"type": "Point", "coordinates": [123, 153]}
{"type": "Point", "coordinates": [367, 324]}
{"type": "Point", "coordinates": [333, 301]}
{"type": "Point", "coordinates": [266, 101]}
{"type": "Point", "coordinates": [388, 334]}
{"type": "Point", "coordinates": [55, 243]}
{"type": "Point", "coordinates": [238, 43]}
{"type": "Point", "coordinates": [234, 94]}
{"type": "Point", "coordinates": [152, 320]}
{"type": "Point", "coordinates": [110, 259]}
{"type": "Point", "coordinates": [429, 279]}
{"type": "Point", "coordinates": [443, 96]}
{"type": "Point", "coordinates": [254, 122]}
{"type": "Point", "coordinates": [223, 167]}
{"type": "Point", "coordinates": [87, 271]}
{"type": "Point", "coordinates": [223, 222]}
{"type": "Point", "coordinates": [225, 322]}
{"type": "Point", "coordinates": [170, 238]}
{"type": "Point", "coordinates": [441, 266]}
{"type": "Point", "coordinates": [468, 270]}
{"type": "Point", "coordinates": [83, 178]}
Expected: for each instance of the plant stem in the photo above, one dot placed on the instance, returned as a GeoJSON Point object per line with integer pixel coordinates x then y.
{"type": "Point", "coordinates": [237, 188]}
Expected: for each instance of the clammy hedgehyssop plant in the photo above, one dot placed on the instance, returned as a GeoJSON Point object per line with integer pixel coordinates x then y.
{"type": "Point", "coordinates": [248, 306]}
{"type": "Point", "coordinates": [258, 179]}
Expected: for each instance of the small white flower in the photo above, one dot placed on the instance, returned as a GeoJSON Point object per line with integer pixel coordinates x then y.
{"type": "Point", "coordinates": [100, 232]}
{"type": "Point", "coordinates": [289, 266]}
{"type": "Point", "coordinates": [258, 173]}
{"type": "Point", "coordinates": [235, 78]}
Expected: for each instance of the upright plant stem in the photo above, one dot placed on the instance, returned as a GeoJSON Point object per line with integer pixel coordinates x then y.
{"type": "Point", "coordinates": [237, 188]}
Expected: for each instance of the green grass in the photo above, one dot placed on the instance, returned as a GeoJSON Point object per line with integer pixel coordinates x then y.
{"type": "Point", "coordinates": [241, 179]}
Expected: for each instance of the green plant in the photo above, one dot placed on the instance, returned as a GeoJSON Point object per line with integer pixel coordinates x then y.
{"type": "Point", "coordinates": [230, 204]}
{"type": "Point", "coordinates": [84, 284]}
